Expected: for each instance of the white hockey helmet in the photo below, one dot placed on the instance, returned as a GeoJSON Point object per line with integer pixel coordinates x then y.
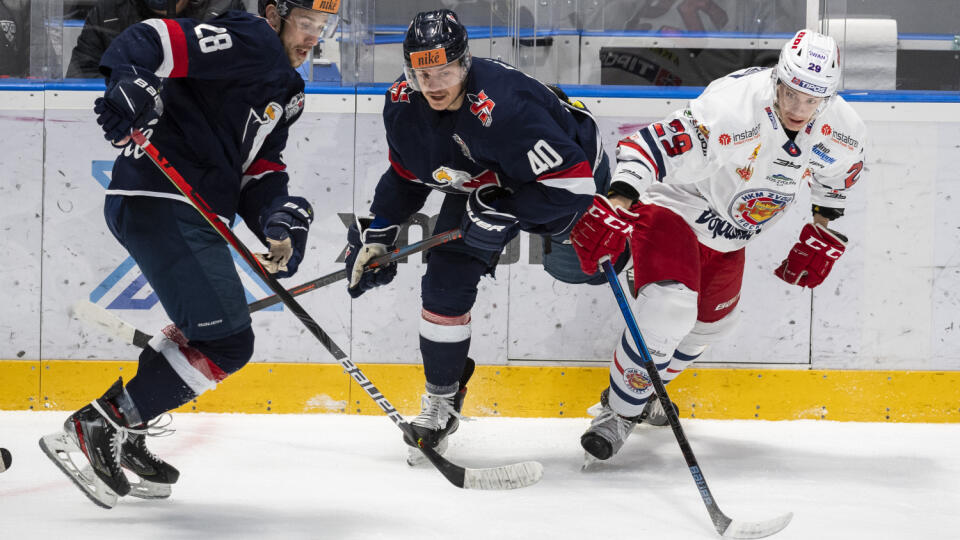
{"type": "Point", "coordinates": [810, 63]}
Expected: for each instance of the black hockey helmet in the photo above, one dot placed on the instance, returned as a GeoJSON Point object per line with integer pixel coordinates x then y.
{"type": "Point", "coordinates": [435, 38]}
{"type": "Point", "coordinates": [167, 7]}
{"type": "Point", "coordinates": [284, 7]}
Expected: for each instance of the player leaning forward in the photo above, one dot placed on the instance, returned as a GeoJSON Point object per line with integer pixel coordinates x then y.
{"type": "Point", "coordinates": [709, 179]}
{"type": "Point", "coordinates": [217, 98]}
{"type": "Point", "coordinates": [509, 154]}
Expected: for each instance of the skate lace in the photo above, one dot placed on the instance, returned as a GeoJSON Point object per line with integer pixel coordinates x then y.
{"type": "Point", "coordinates": [435, 411]}
{"type": "Point", "coordinates": [156, 427]}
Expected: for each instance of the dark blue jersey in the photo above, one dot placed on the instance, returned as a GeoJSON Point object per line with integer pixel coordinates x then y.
{"type": "Point", "coordinates": [230, 96]}
{"type": "Point", "coordinates": [511, 130]}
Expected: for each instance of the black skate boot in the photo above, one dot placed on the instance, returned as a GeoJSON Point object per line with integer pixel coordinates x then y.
{"type": "Point", "coordinates": [98, 431]}
{"type": "Point", "coordinates": [439, 418]}
{"type": "Point", "coordinates": [155, 475]}
{"type": "Point", "coordinates": [144, 463]}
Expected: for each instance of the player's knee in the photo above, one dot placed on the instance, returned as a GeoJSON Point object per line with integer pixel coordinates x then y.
{"type": "Point", "coordinates": [666, 309]}
{"type": "Point", "coordinates": [705, 334]}
{"type": "Point", "coordinates": [230, 353]}
{"type": "Point", "coordinates": [449, 287]}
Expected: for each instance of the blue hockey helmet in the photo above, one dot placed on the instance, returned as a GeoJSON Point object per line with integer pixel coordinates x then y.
{"type": "Point", "coordinates": [434, 39]}
{"type": "Point", "coordinates": [284, 7]}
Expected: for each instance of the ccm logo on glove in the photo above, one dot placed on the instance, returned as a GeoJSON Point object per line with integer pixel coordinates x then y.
{"type": "Point", "coordinates": [812, 257]}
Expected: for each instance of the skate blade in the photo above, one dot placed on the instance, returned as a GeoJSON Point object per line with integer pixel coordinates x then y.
{"type": "Point", "coordinates": [588, 461]}
{"type": "Point", "coordinates": [595, 410]}
{"type": "Point", "coordinates": [139, 487]}
{"type": "Point", "coordinates": [145, 489]}
{"type": "Point", "coordinates": [415, 457]}
{"type": "Point", "coordinates": [58, 447]}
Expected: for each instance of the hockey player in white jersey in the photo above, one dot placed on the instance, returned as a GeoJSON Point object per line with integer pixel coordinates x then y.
{"type": "Point", "coordinates": [692, 190]}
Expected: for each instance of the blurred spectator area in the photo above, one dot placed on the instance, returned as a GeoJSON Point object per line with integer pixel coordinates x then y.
{"type": "Point", "coordinates": [886, 44]}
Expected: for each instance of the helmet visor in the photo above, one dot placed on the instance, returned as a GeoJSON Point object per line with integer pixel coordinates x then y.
{"type": "Point", "coordinates": [429, 71]}
{"type": "Point", "coordinates": [313, 23]}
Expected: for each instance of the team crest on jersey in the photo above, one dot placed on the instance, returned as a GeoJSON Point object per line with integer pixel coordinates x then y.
{"type": "Point", "coordinates": [636, 379]}
{"type": "Point", "coordinates": [462, 180]}
{"type": "Point", "coordinates": [746, 172]}
{"type": "Point", "coordinates": [751, 209]}
{"type": "Point", "coordinates": [9, 29]}
{"type": "Point", "coordinates": [791, 148]}
{"type": "Point", "coordinates": [482, 107]}
{"type": "Point", "coordinates": [400, 92]}
{"type": "Point", "coordinates": [294, 106]}
{"type": "Point", "coordinates": [463, 147]}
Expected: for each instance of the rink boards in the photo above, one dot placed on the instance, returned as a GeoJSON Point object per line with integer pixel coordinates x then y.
{"type": "Point", "coordinates": [889, 308]}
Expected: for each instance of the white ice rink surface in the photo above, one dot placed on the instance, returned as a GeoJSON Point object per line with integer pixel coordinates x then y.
{"type": "Point", "coordinates": [343, 477]}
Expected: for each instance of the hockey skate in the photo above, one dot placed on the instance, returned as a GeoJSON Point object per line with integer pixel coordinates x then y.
{"type": "Point", "coordinates": [96, 431]}
{"type": "Point", "coordinates": [653, 413]}
{"type": "Point", "coordinates": [439, 418]}
{"type": "Point", "coordinates": [154, 475]}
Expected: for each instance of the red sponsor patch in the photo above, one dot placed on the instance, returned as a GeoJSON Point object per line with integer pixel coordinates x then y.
{"type": "Point", "coordinates": [826, 129]}
{"type": "Point", "coordinates": [723, 139]}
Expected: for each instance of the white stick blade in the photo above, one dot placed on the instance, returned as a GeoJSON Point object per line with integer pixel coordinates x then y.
{"type": "Point", "coordinates": [757, 529]}
{"type": "Point", "coordinates": [93, 314]}
{"type": "Point", "coordinates": [518, 475]}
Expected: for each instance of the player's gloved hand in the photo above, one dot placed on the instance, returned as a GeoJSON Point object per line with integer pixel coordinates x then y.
{"type": "Point", "coordinates": [131, 101]}
{"type": "Point", "coordinates": [364, 244]}
{"type": "Point", "coordinates": [811, 259]}
{"type": "Point", "coordinates": [286, 224]}
{"type": "Point", "coordinates": [603, 230]}
{"type": "Point", "coordinates": [483, 227]}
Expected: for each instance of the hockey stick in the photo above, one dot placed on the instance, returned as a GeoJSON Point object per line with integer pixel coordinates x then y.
{"type": "Point", "coordinates": [90, 312]}
{"type": "Point", "coordinates": [504, 477]}
{"type": "Point", "coordinates": [725, 526]}
{"type": "Point", "coordinates": [397, 254]}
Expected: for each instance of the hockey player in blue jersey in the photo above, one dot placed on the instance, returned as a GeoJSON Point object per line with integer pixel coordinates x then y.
{"type": "Point", "coordinates": [509, 154]}
{"type": "Point", "coordinates": [218, 98]}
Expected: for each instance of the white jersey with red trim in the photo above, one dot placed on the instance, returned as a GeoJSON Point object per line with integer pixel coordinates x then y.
{"type": "Point", "coordinates": [726, 165]}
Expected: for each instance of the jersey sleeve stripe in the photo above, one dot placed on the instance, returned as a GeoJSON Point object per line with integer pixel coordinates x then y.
{"type": "Point", "coordinates": [652, 145]}
{"type": "Point", "coordinates": [178, 44]}
{"type": "Point", "coordinates": [399, 169]}
{"type": "Point", "coordinates": [174, 45]}
{"type": "Point", "coordinates": [650, 163]}
{"type": "Point", "coordinates": [577, 179]}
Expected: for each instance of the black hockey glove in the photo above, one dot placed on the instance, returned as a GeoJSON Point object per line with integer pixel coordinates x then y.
{"type": "Point", "coordinates": [364, 244]}
{"type": "Point", "coordinates": [483, 226]}
{"type": "Point", "coordinates": [286, 224]}
{"type": "Point", "coordinates": [131, 101]}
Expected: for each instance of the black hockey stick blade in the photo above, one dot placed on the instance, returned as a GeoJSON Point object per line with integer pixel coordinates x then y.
{"type": "Point", "coordinates": [725, 526]}
{"type": "Point", "coordinates": [393, 256]}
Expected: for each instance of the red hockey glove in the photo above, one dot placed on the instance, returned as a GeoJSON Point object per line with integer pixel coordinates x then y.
{"type": "Point", "coordinates": [811, 259]}
{"type": "Point", "coordinates": [602, 230]}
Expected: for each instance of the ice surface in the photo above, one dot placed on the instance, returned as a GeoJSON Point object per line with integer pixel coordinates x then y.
{"type": "Point", "coordinates": [344, 477]}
